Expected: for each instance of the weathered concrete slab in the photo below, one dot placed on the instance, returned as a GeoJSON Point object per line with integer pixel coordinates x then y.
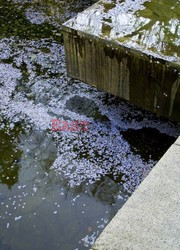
{"type": "Point", "coordinates": [130, 49]}
{"type": "Point", "coordinates": [151, 217]}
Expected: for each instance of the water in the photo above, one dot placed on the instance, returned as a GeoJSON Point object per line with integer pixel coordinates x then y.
{"type": "Point", "coordinates": [58, 190]}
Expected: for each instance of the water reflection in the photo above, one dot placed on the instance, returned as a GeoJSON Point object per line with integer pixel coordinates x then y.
{"type": "Point", "coordinates": [42, 202]}
{"type": "Point", "coordinates": [9, 157]}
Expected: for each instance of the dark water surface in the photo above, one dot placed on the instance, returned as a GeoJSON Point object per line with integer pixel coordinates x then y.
{"type": "Point", "coordinates": [58, 190]}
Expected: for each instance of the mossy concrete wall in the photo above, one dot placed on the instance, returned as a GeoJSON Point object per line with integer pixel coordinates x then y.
{"type": "Point", "coordinates": [148, 81]}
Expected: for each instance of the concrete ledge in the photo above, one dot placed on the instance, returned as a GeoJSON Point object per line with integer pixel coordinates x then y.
{"type": "Point", "coordinates": [151, 217]}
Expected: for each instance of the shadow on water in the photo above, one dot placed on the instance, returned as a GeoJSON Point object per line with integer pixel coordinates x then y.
{"type": "Point", "coordinates": [148, 142]}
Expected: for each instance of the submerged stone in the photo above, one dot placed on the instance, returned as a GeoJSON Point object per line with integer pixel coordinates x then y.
{"type": "Point", "coordinates": [85, 106]}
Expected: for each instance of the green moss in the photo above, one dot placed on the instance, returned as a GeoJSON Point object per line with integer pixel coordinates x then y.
{"type": "Point", "coordinates": [108, 6]}
{"type": "Point", "coordinates": [8, 60]}
{"type": "Point", "coordinates": [106, 29]}
{"type": "Point", "coordinates": [24, 71]}
{"type": "Point", "coordinates": [45, 50]}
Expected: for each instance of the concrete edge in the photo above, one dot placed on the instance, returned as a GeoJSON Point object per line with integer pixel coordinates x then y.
{"type": "Point", "coordinates": [115, 45]}
{"type": "Point", "coordinates": [150, 219]}
{"type": "Point", "coordinates": [177, 142]}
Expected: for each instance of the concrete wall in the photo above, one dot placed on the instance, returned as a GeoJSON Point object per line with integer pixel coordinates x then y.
{"type": "Point", "coordinates": [146, 81]}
